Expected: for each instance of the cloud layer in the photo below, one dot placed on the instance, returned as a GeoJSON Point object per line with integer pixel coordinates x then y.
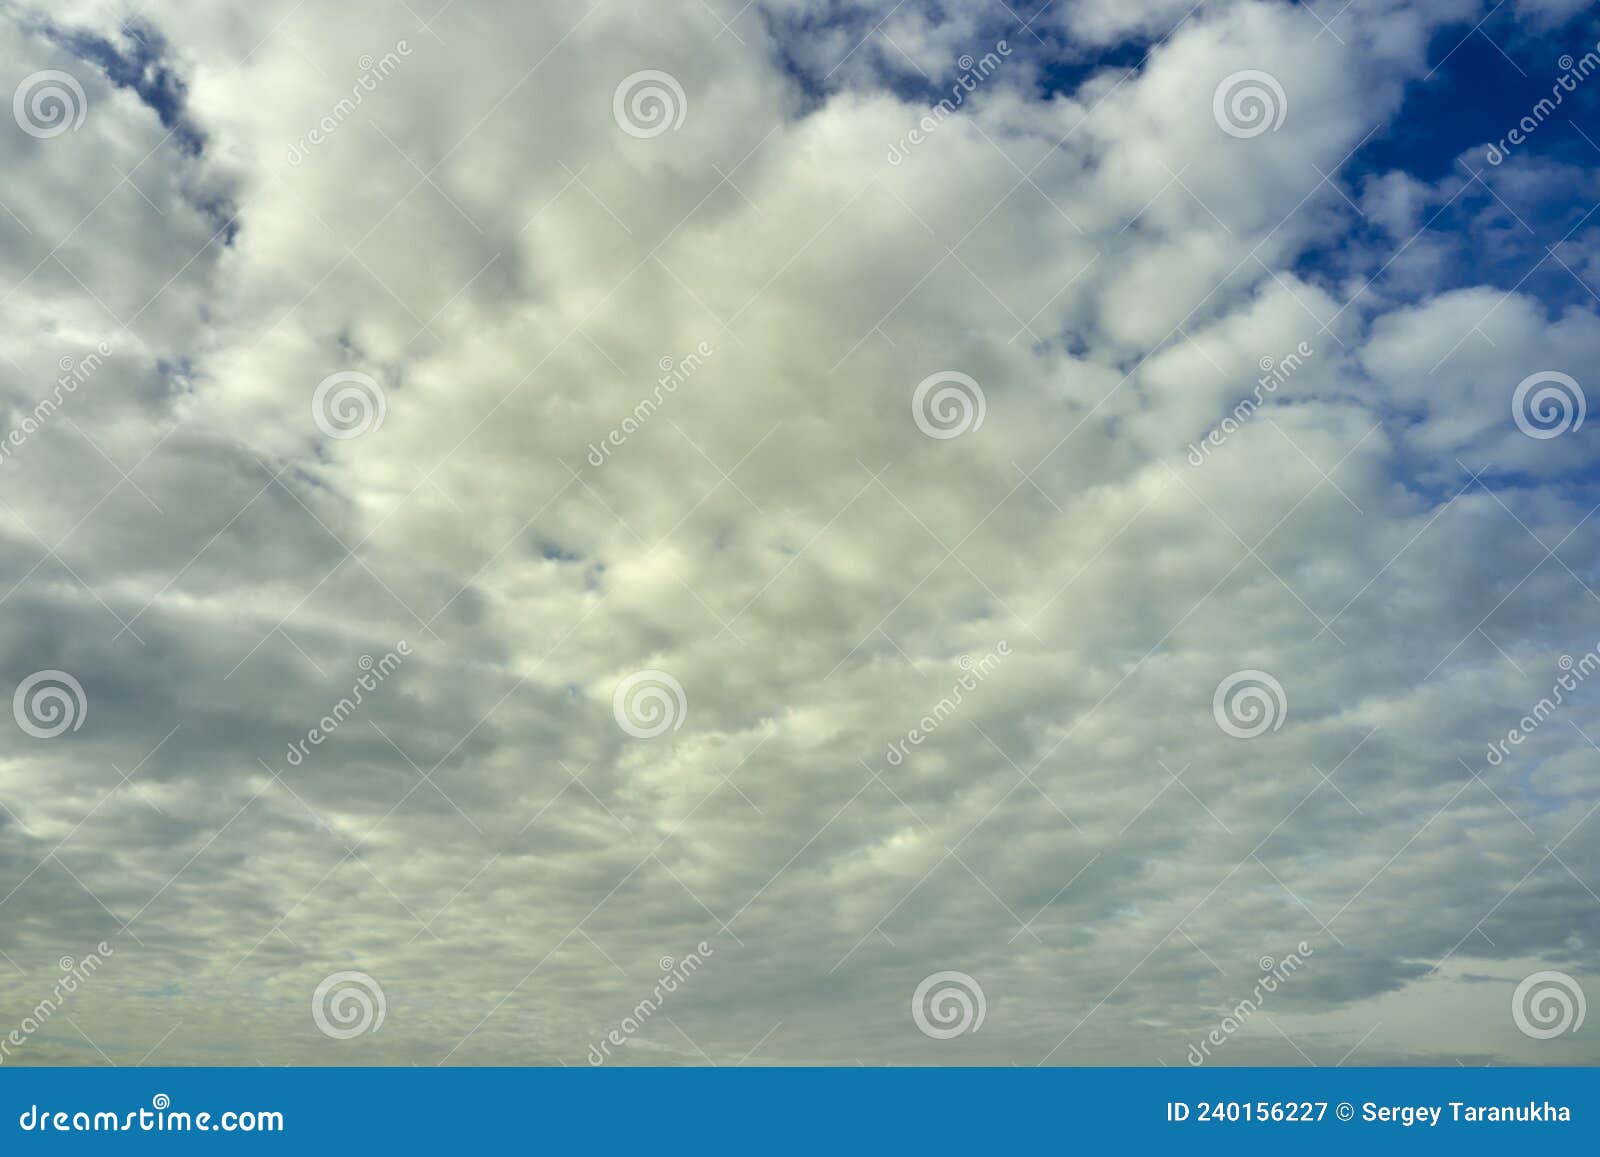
{"type": "Point", "coordinates": [1086, 536]}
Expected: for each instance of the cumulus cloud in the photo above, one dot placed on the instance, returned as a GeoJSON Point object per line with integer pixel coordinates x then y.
{"type": "Point", "coordinates": [1055, 536]}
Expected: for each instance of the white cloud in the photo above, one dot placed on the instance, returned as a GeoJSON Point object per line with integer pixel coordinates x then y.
{"type": "Point", "coordinates": [776, 533]}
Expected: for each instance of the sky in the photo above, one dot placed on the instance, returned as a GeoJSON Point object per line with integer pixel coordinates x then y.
{"type": "Point", "coordinates": [797, 532]}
